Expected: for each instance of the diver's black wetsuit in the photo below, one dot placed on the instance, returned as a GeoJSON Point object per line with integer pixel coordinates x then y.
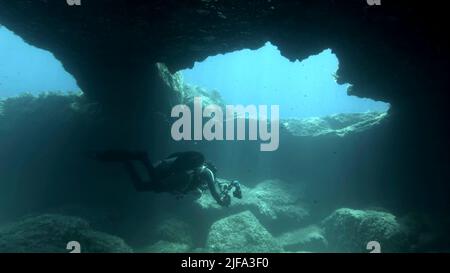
{"type": "Point", "coordinates": [179, 173]}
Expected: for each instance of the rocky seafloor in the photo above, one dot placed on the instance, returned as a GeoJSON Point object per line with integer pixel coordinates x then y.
{"type": "Point", "coordinates": [246, 226]}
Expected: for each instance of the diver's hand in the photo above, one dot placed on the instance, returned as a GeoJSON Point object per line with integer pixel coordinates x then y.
{"type": "Point", "coordinates": [237, 189]}
{"type": "Point", "coordinates": [225, 201]}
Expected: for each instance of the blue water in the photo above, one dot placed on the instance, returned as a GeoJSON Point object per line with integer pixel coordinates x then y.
{"type": "Point", "coordinates": [263, 76]}
{"type": "Point", "coordinates": [25, 68]}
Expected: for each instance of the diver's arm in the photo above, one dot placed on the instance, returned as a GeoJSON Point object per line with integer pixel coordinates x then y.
{"type": "Point", "coordinates": [208, 176]}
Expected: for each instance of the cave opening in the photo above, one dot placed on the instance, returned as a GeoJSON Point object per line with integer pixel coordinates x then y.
{"type": "Point", "coordinates": [25, 69]}
{"type": "Point", "coordinates": [302, 89]}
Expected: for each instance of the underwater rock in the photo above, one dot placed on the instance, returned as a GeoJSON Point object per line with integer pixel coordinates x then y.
{"type": "Point", "coordinates": [186, 92]}
{"type": "Point", "coordinates": [309, 239]}
{"type": "Point", "coordinates": [349, 230]}
{"type": "Point", "coordinates": [276, 199]}
{"type": "Point", "coordinates": [105, 219]}
{"type": "Point", "coordinates": [27, 109]}
{"type": "Point", "coordinates": [240, 233]}
{"type": "Point", "coordinates": [175, 231]}
{"type": "Point", "coordinates": [337, 125]}
{"type": "Point", "coordinates": [50, 233]}
{"type": "Point", "coordinates": [173, 81]}
{"type": "Point", "coordinates": [166, 247]}
{"type": "Point", "coordinates": [269, 200]}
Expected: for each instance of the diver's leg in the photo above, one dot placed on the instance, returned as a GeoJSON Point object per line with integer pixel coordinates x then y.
{"type": "Point", "coordinates": [143, 157]}
{"type": "Point", "coordinates": [138, 182]}
{"type": "Point", "coordinates": [127, 157]}
{"type": "Point", "coordinates": [124, 156]}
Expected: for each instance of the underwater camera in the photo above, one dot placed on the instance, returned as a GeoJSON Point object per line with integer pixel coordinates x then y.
{"type": "Point", "coordinates": [228, 135]}
{"type": "Point", "coordinates": [237, 189]}
{"type": "Point", "coordinates": [221, 192]}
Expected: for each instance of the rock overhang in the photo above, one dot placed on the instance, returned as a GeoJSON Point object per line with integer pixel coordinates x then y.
{"type": "Point", "coordinates": [387, 53]}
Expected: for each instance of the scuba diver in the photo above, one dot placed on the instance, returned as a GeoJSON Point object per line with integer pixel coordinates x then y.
{"type": "Point", "coordinates": [179, 173]}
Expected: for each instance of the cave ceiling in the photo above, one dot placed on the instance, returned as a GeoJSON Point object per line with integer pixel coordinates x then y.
{"type": "Point", "coordinates": [396, 52]}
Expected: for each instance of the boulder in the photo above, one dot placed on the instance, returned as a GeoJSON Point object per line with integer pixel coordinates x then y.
{"type": "Point", "coordinates": [335, 125]}
{"type": "Point", "coordinates": [166, 247]}
{"type": "Point", "coordinates": [50, 233]}
{"type": "Point", "coordinates": [308, 239]}
{"type": "Point", "coordinates": [349, 230]}
{"type": "Point", "coordinates": [175, 231]}
{"type": "Point", "coordinates": [270, 200]}
{"type": "Point", "coordinates": [240, 233]}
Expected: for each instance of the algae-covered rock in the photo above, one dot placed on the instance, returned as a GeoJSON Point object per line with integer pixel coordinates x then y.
{"type": "Point", "coordinates": [99, 242]}
{"type": "Point", "coordinates": [337, 125]}
{"type": "Point", "coordinates": [312, 126]}
{"type": "Point", "coordinates": [186, 92]}
{"type": "Point", "coordinates": [276, 199]}
{"type": "Point", "coordinates": [50, 233]}
{"type": "Point", "coordinates": [240, 233]}
{"type": "Point", "coordinates": [173, 81]}
{"type": "Point", "coordinates": [269, 200]}
{"type": "Point", "coordinates": [349, 230]}
{"type": "Point", "coordinates": [176, 231]}
{"type": "Point", "coordinates": [166, 247]}
{"type": "Point", "coordinates": [309, 239]}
